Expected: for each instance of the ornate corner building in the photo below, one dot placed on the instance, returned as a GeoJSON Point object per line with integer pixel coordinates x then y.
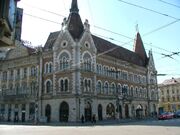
{"type": "Point", "coordinates": [77, 74]}
{"type": "Point", "coordinates": [169, 95]}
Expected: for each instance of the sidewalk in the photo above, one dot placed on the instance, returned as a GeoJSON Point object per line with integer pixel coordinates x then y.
{"type": "Point", "coordinates": [98, 123]}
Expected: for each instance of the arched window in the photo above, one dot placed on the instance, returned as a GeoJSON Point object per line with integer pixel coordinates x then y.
{"type": "Point", "coordinates": [100, 69]}
{"type": "Point", "coordinates": [119, 90]}
{"type": "Point", "coordinates": [140, 92]}
{"type": "Point", "coordinates": [106, 86]}
{"type": "Point", "coordinates": [87, 62]}
{"type": "Point", "coordinates": [64, 59]}
{"type": "Point", "coordinates": [125, 90]}
{"type": "Point", "coordinates": [64, 85]}
{"type": "Point", "coordinates": [131, 91]}
{"type": "Point", "coordinates": [48, 87]}
{"type": "Point", "coordinates": [97, 69]}
{"type": "Point", "coordinates": [113, 88]}
{"type": "Point", "coordinates": [87, 85]}
{"type": "Point", "coordinates": [50, 68]}
{"type": "Point", "coordinates": [136, 92]}
{"type": "Point", "coordinates": [99, 85]}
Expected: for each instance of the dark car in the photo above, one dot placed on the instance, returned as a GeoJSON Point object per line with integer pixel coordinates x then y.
{"type": "Point", "coordinates": [166, 115]}
{"type": "Point", "coordinates": [177, 114]}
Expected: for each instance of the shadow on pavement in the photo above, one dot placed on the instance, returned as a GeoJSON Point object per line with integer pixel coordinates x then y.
{"type": "Point", "coordinates": [122, 122]}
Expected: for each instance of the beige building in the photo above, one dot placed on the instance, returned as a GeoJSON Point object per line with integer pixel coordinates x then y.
{"type": "Point", "coordinates": [77, 74]}
{"type": "Point", "coordinates": [169, 95]}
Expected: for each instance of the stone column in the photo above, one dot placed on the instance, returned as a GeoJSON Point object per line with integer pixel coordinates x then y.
{"type": "Point", "coordinates": [20, 112]}
{"type": "Point", "coordinates": [6, 112]}
{"type": "Point", "coordinates": [12, 112]}
{"type": "Point", "coordinates": [27, 112]}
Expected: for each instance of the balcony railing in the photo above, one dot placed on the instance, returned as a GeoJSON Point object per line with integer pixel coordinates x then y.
{"type": "Point", "coordinates": [9, 94]}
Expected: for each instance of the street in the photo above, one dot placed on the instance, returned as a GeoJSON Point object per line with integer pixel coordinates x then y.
{"type": "Point", "coordinates": [150, 127]}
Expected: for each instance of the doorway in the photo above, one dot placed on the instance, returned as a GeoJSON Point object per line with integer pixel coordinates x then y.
{"type": "Point", "coordinates": [64, 112]}
{"type": "Point", "coordinates": [48, 113]}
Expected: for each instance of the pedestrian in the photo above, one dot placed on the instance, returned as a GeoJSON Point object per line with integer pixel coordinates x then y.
{"type": "Point", "coordinates": [94, 118]}
{"type": "Point", "coordinates": [82, 118]}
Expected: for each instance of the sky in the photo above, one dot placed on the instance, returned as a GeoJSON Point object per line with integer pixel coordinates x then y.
{"type": "Point", "coordinates": [158, 22]}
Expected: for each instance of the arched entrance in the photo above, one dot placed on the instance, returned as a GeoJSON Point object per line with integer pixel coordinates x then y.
{"type": "Point", "coordinates": [48, 113]}
{"type": "Point", "coordinates": [88, 112]}
{"type": "Point", "coordinates": [126, 111]}
{"type": "Point", "coordinates": [110, 111]}
{"type": "Point", "coordinates": [63, 112]}
{"type": "Point", "coordinates": [139, 111]}
{"type": "Point", "coordinates": [100, 112]}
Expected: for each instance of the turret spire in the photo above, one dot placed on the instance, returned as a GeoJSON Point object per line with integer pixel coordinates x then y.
{"type": "Point", "coordinates": [74, 7]}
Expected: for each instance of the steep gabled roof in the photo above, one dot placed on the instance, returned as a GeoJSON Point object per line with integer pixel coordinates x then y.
{"type": "Point", "coordinates": [105, 47]}
{"type": "Point", "coordinates": [139, 48]}
{"type": "Point", "coordinates": [108, 48]}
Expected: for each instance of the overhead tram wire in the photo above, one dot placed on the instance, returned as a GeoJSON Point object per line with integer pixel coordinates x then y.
{"type": "Point", "coordinates": [151, 10]}
{"type": "Point", "coordinates": [107, 29]}
{"type": "Point", "coordinates": [162, 27]}
{"type": "Point", "coordinates": [177, 6]}
{"type": "Point", "coordinates": [124, 43]}
{"type": "Point", "coordinates": [44, 10]}
{"type": "Point", "coordinates": [41, 18]}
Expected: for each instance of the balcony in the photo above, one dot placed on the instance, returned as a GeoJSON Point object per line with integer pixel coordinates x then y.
{"type": "Point", "coordinates": [11, 95]}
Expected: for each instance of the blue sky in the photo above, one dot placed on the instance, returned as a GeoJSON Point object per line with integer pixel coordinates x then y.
{"type": "Point", "coordinates": [118, 17]}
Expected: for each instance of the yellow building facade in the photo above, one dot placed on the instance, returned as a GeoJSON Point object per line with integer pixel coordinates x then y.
{"type": "Point", "coordinates": [169, 95]}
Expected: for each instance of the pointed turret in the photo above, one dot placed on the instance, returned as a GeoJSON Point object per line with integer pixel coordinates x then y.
{"type": "Point", "coordinates": [74, 7]}
{"type": "Point", "coordinates": [74, 23]}
{"type": "Point", "coordinates": [139, 48]}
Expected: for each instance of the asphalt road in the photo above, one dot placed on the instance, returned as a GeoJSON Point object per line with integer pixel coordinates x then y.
{"type": "Point", "coordinates": [151, 127]}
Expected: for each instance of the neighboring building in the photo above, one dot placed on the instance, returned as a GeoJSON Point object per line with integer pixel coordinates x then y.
{"type": "Point", "coordinates": [169, 95]}
{"type": "Point", "coordinates": [75, 74]}
{"type": "Point", "coordinates": [8, 10]}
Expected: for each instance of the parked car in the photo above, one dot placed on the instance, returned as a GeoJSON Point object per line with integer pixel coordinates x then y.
{"type": "Point", "coordinates": [177, 114]}
{"type": "Point", "coordinates": [166, 115]}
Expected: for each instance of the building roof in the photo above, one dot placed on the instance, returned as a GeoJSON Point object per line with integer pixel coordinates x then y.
{"type": "Point", "coordinates": [74, 22]}
{"type": "Point", "coordinates": [139, 47]}
{"type": "Point", "coordinates": [171, 81]}
{"type": "Point", "coordinates": [51, 39]}
{"type": "Point", "coordinates": [76, 29]}
{"type": "Point", "coordinates": [104, 47]}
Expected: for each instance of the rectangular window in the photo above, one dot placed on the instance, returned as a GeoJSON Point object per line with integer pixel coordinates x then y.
{"type": "Point", "coordinates": [125, 75]}
{"type": "Point", "coordinates": [135, 78]}
{"type": "Point", "coordinates": [18, 74]}
{"type": "Point", "coordinates": [11, 74]}
{"type": "Point", "coordinates": [5, 76]}
{"type": "Point", "coordinates": [25, 72]}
